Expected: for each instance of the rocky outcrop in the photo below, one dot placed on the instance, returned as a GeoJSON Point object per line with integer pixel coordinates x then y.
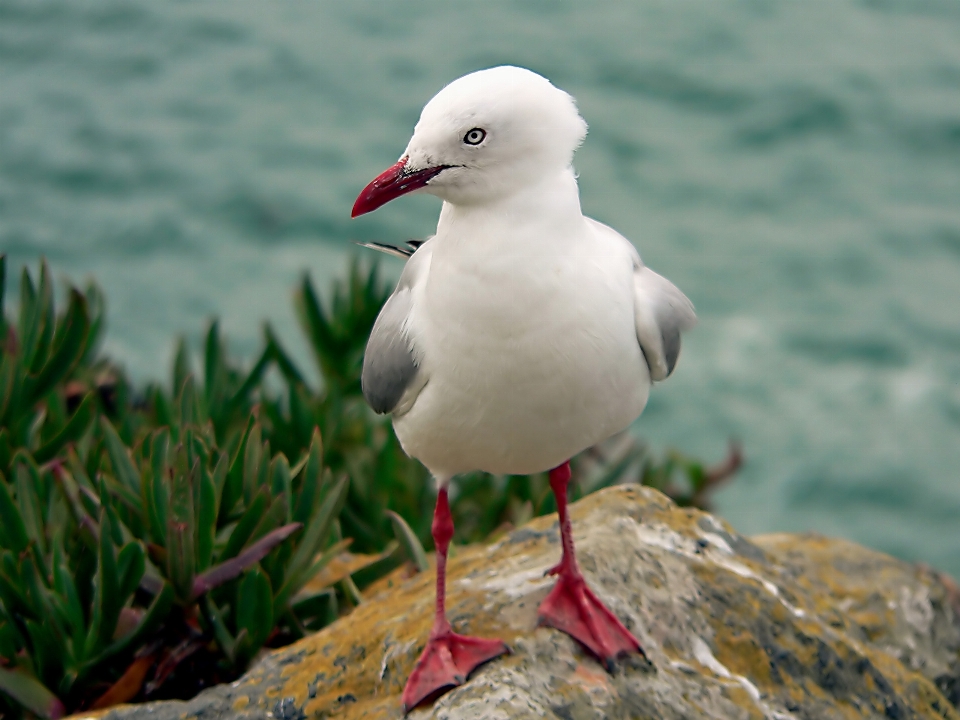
{"type": "Point", "coordinates": [779, 626]}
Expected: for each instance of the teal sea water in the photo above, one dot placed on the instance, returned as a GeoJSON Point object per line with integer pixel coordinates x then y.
{"type": "Point", "coordinates": [793, 166]}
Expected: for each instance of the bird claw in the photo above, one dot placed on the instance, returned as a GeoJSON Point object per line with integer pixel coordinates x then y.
{"type": "Point", "coordinates": [446, 662]}
{"type": "Point", "coordinates": [571, 607]}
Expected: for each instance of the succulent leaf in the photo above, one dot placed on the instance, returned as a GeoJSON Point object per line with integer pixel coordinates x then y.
{"type": "Point", "coordinates": [229, 569]}
{"type": "Point", "coordinates": [11, 521]}
{"type": "Point", "coordinates": [284, 363]}
{"type": "Point", "coordinates": [206, 517]}
{"type": "Point", "coordinates": [131, 564]}
{"type": "Point", "coordinates": [181, 552]}
{"type": "Point", "coordinates": [252, 460]}
{"type": "Point", "coordinates": [123, 467]}
{"type": "Point", "coordinates": [214, 366]}
{"type": "Point", "coordinates": [409, 542]}
{"type": "Point", "coordinates": [251, 381]}
{"type": "Point", "coordinates": [255, 609]}
{"type": "Point", "coordinates": [233, 484]}
{"type": "Point", "coordinates": [28, 500]}
{"type": "Point", "coordinates": [157, 488]}
{"type": "Point", "coordinates": [181, 364]}
{"type": "Point", "coordinates": [31, 693]}
{"type": "Point", "coordinates": [159, 609]}
{"type": "Point", "coordinates": [35, 350]}
{"type": "Point", "coordinates": [244, 528]}
{"type": "Point", "coordinates": [69, 345]}
{"type": "Point", "coordinates": [108, 601]}
{"type": "Point", "coordinates": [316, 533]}
{"type": "Point", "coordinates": [225, 640]}
{"type": "Point", "coordinates": [282, 484]}
{"type": "Point", "coordinates": [78, 424]}
{"type": "Point", "coordinates": [312, 474]}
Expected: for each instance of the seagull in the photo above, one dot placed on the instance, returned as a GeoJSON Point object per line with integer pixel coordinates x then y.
{"type": "Point", "coordinates": [520, 334]}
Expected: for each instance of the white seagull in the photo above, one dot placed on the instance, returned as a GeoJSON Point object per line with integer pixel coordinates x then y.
{"type": "Point", "coordinates": [519, 335]}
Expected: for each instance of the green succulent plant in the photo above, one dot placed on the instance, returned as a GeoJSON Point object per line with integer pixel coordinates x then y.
{"type": "Point", "coordinates": [111, 545]}
{"type": "Point", "coordinates": [40, 350]}
{"type": "Point", "coordinates": [90, 568]}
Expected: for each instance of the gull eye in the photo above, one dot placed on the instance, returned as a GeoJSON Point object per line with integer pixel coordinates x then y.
{"type": "Point", "coordinates": [475, 136]}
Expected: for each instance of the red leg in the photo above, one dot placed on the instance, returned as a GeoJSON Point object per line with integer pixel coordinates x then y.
{"type": "Point", "coordinates": [571, 607]}
{"type": "Point", "coordinates": [448, 658]}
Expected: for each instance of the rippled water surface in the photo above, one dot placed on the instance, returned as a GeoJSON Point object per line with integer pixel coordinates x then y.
{"type": "Point", "coordinates": [793, 166]}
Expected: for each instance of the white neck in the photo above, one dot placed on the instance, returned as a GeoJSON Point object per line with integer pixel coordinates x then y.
{"type": "Point", "coordinates": [553, 202]}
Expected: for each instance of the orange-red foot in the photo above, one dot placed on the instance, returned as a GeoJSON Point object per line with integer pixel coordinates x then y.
{"type": "Point", "coordinates": [446, 662]}
{"type": "Point", "coordinates": [571, 607]}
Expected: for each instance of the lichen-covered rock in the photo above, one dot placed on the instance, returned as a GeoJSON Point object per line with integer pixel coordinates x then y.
{"type": "Point", "coordinates": [778, 627]}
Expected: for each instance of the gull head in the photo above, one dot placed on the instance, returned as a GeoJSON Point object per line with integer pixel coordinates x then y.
{"type": "Point", "coordinates": [483, 137]}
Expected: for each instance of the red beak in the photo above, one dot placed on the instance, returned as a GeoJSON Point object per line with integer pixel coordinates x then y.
{"type": "Point", "coordinates": [392, 183]}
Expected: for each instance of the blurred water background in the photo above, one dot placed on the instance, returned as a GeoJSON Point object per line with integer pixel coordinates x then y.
{"type": "Point", "coordinates": [793, 166]}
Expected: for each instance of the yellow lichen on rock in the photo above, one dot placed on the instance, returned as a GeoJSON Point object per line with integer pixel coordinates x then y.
{"type": "Point", "coordinates": [786, 627]}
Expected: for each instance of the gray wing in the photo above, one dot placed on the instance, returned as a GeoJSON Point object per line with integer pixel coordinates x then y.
{"type": "Point", "coordinates": [391, 378]}
{"type": "Point", "coordinates": [662, 312]}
